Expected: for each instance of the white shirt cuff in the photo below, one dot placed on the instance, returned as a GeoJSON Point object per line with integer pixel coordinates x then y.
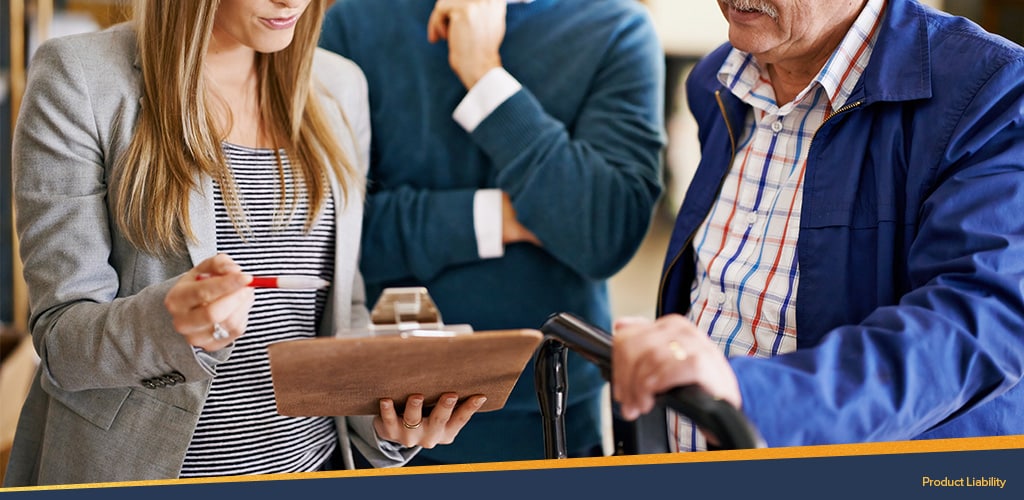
{"type": "Point", "coordinates": [487, 223]}
{"type": "Point", "coordinates": [496, 86]}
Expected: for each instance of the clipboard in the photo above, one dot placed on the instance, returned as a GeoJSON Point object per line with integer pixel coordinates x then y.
{"type": "Point", "coordinates": [397, 357]}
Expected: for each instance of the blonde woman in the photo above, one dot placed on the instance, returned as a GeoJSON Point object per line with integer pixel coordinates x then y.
{"type": "Point", "coordinates": [158, 166]}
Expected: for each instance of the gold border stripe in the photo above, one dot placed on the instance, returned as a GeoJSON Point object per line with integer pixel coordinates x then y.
{"type": "Point", "coordinates": [841, 450]}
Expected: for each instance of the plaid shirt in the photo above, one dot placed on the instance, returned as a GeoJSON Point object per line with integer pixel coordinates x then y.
{"type": "Point", "coordinates": [744, 294]}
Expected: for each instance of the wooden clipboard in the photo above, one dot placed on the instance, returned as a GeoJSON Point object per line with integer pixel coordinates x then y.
{"type": "Point", "coordinates": [348, 376]}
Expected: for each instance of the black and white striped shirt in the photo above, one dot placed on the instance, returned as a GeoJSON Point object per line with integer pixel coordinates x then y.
{"type": "Point", "coordinates": [239, 430]}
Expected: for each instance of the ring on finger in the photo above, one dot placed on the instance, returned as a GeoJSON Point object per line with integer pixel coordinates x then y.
{"type": "Point", "coordinates": [412, 426]}
{"type": "Point", "coordinates": [219, 333]}
{"type": "Point", "coordinates": [677, 351]}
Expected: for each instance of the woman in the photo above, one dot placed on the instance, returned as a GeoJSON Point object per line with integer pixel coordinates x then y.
{"type": "Point", "coordinates": [158, 166]}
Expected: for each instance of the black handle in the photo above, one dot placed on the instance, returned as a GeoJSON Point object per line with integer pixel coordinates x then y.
{"type": "Point", "coordinates": [587, 340]}
{"type": "Point", "coordinates": [552, 384]}
{"type": "Point", "coordinates": [728, 425]}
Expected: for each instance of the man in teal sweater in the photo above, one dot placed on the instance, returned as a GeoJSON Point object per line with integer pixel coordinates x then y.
{"type": "Point", "coordinates": [514, 167]}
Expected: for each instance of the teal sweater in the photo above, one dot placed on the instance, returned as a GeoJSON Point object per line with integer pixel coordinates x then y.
{"type": "Point", "coordinates": [577, 149]}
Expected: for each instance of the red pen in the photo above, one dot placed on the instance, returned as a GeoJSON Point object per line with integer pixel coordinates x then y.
{"type": "Point", "coordinates": [293, 282]}
{"type": "Point", "coordinates": [288, 281]}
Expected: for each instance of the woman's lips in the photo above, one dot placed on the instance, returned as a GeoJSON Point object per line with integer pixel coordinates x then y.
{"type": "Point", "coordinates": [280, 23]}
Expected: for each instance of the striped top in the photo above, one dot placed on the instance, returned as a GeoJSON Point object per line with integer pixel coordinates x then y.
{"type": "Point", "coordinates": [239, 430]}
{"type": "Point", "coordinates": [744, 291]}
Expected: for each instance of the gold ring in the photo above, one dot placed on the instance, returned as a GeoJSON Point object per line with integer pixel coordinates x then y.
{"type": "Point", "coordinates": [677, 351]}
{"type": "Point", "coordinates": [412, 426]}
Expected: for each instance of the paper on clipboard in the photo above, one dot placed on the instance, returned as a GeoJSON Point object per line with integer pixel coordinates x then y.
{"type": "Point", "coordinates": [395, 358]}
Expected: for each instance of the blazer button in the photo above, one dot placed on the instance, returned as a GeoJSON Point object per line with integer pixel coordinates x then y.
{"type": "Point", "coordinates": [177, 377]}
{"type": "Point", "coordinates": [148, 384]}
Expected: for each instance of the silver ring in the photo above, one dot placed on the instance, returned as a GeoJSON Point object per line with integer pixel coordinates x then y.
{"type": "Point", "coordinates": [219, 333]}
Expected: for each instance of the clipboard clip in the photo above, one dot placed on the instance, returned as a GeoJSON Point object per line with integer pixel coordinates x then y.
{"type": "Point", "coordinates": [410, 312]}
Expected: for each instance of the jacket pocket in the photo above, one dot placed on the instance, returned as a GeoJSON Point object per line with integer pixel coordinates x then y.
{"type": "Point", "coordinates": [98, 406]}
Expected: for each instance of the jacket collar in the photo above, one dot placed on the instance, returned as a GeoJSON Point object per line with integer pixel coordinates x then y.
{"type": "Point", "coordinates": [900, 67]}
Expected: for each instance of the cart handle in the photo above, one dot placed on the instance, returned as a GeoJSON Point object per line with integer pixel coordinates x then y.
{"type": "Point", "coordinates": [729, 426]}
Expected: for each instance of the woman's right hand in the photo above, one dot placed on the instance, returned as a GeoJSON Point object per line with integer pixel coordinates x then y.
{"type": "Point", "coordinates": [210, 304]}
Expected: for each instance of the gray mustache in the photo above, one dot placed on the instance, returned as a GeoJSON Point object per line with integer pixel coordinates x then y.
{"type": "Point", "coordinates": [754, 5]}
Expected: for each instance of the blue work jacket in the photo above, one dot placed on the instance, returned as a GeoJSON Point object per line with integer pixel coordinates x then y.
{"type": "Point", "coordinates": [910, 312]}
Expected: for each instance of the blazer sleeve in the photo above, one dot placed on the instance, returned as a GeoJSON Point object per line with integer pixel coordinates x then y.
{"type": "Point", "coordinates": [87, 335]}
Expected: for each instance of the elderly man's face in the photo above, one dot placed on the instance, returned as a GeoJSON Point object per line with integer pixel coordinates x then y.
{"type": "Point", "coordinates": [788, 30]}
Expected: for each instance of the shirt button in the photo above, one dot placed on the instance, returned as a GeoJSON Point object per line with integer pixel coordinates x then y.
{"type": "Point", "coordinates": [777, 127]}
{"type": "Point", "coordinates": [721, 298]}
{"type": "Point", "coordinates": [751, 218]}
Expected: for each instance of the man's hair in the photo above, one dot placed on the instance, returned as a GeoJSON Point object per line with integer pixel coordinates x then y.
{"type": "Point", "coordinates": [176, 137]}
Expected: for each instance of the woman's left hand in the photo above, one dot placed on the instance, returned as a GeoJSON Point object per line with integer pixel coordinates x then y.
{"type": "Point", "coordinates": [412, 428]}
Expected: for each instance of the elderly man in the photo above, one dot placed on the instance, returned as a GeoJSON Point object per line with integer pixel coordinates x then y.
{"type": "Point", "coordinates": [847, 265]}
{"type": "Point", "coordinates": [514, 167]}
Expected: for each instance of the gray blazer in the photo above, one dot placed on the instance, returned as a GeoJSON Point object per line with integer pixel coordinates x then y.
{"type": "Point", "coordinates": [97, 315]}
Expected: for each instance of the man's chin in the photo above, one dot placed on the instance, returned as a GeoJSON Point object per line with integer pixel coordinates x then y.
{"type": "Point", "coordinates": [750, 41]}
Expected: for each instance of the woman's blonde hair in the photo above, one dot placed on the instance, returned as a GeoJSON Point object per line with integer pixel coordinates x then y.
{"type": "Point", "coordinates": [177, 138]}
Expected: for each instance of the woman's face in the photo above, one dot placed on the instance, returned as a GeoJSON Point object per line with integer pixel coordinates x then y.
{"type": "Point", "coordinates": [263, 25]}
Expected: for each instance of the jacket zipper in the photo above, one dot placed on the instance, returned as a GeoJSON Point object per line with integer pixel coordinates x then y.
{"type": "Point", "coordinates": [689, 239]}
{"type": "Point", "coordinates": [828, 119]}
{"type": "Point", "coordinates": [732, 142]}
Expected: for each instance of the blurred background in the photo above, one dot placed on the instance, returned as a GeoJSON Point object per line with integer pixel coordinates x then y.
{"type": "Point", "coordinates": [688, 30]}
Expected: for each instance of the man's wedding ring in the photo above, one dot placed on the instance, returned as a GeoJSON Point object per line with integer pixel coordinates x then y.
{"type": "Point", "coordinates": [677, 351]}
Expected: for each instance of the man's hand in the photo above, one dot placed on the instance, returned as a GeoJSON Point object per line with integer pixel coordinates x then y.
{"type": "Point", "coordinates": [513, 231]}
{"type": "Point", "coordinates": [474, 30]}
{"type": "Point", "coordinates": [649, 358]}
